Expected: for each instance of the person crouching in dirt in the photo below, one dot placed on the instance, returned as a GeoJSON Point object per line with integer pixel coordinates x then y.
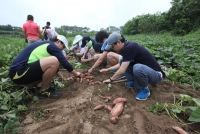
{"type": "Point", "coordinates": [50, 35]}
{"type": "Point", "coordinates": [39, 63]}
{"type": "Point", "coordinates": [76, 48]}
{"type": "Point", "coordinates": [138, 64]}
{"type": "Point", "coordinates": [93, 47]}
{"type": "Point", "coordinates": [107, 55]}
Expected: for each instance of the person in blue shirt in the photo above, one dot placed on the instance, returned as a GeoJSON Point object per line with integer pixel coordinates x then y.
{"type": "Point", "coordinates": [39, 62]}
{"type": "Point", "coordinates": [138, 64]}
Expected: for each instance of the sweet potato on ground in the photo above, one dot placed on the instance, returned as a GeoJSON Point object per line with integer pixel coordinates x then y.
{"type": "Point", "coordinates": [99, 107]}
{"type": "Point", "coordinates": [108, 108]}
{"type": "Point", "coordinates": [179, 130]}
{"type": "Point", "coordinates": [119, 100]}
{"type": "Point", "coordinates": [105, 97]}
{"type": "Point", "coordinates": [116, 111]}
{"type": "Point", "coordinates": [97, 82]}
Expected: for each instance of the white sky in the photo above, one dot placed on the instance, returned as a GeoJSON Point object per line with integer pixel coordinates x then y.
{"type": "Point", "coordinates": [94, 14]}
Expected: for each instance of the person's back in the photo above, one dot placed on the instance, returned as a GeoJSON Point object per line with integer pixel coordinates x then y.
{"type": "Point", "coordinates": [51, 33]}
{"type": "Point", "coordinates": [31, 30]}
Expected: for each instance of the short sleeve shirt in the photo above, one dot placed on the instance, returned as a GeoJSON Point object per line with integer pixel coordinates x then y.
{"type": "Point", "coordinates": [38, 51]}
{"type": "Point", "coordinates": [31, 29]}
{"type": "Point", "coordinates": [89, 44]}
{"type": "Point", "coordinates": [134, 53]}
{"type": "Point", "coordinates": [94, 45]}
{"type": "Point", "coordinates": [104, 45]}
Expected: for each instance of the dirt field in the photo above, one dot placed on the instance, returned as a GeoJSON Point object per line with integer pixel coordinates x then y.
{"type": "Point", "coordinates": [73, 113]}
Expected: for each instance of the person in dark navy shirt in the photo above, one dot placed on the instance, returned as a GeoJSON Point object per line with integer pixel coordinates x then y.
{"type": "Point", "coordinates": [39, 62]}
{"type": "Point", "coordinates": [44, 29]}
{"type": "Point", "coordinates": [138, 64]}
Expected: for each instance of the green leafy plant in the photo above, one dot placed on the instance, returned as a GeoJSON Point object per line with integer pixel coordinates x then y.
{"type": "Point", "coordinates": [12, 103]}
{"type": "Point", "coordinates": [77, 64]}
{"type": "Point", "coordinates": [57, 83]}
{"type": "Point", "coordinates": [184, 105]}
{"type": "Point", "coordinates": [38, 114]}
{"type": "Point", "coordinates": [108, 86]}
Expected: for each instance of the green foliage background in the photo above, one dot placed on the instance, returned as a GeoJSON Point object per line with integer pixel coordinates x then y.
{"type": "Point", "coordinates": [182, 18]}
{"type": "Point", "coordinates": [178, 56]}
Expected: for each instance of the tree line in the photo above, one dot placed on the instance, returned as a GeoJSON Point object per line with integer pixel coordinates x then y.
{"type": "Point", "coordinates": [182, 18]}
{"type": "Point", "coordinates": [74, 28]}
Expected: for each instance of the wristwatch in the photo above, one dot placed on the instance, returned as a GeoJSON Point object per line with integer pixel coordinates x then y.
{"type": "Point", "coordinates": [111, 79]}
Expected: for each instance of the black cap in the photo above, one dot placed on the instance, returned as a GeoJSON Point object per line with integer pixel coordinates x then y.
{"type": "Point", "coordinates": [85, 40]}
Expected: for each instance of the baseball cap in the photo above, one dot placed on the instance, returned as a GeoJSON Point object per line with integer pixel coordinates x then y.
{"type": "Point", "coordinates": [112, 38]}
{"type": "Point", "coordinates": [85, 40]}
{"type": "Point", "coordinates": [77, 38]}
{"type": "Point", "coordinates": [64, 40]}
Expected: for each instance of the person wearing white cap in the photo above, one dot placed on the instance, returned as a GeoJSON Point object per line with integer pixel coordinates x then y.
{"type": "Point", "coordinates": [51, 34]}
{"type": "Point", "coordinates": [76, 44]}
{"type": "Point", "coordinates": [39, 62]}
{"type": "Point", "coordinates": [138, 64]}
{"type": "Point", "coordinates": [76, 48]}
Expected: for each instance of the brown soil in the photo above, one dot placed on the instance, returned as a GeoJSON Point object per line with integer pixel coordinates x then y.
{"type": "Point", "coordinates": [73, 113]}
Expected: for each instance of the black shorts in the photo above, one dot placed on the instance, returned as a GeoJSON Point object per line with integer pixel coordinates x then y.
{"type": "Point", "coordinates": [28, 74]}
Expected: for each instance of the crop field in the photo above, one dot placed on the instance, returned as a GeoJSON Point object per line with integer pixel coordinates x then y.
{"type": "Point", "coordinates": [178, 57]}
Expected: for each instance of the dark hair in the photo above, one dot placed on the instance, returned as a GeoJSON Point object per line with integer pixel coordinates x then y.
{"type": "Point", "coordinates": [30, 17]}
{"type": "Point", "coordinates": [54, 39]}
{"type": "Point", "coordinates": [48, 23]}
{"type": "Point", "coordinates": [122, 40]}
{"type": "Point", "coordinates": [100, 36]}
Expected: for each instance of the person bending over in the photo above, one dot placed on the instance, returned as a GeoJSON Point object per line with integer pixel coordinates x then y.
{"type": "Point", "coordinates": [93, 47]}
{"type": "Point", "coordinates": [138, 64]}
{"type": "Point", "coordinates": [39, 62]}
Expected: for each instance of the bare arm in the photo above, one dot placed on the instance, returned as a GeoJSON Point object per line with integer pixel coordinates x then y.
{"type": "Point", "coordinates": [39, 34]}
{"type": "Point", "coordinates": [99, 61]}
{"type": "Point", "coordinates": [76, 73]}
{"type": "Point", "coordinates": [59, 74]}
{"type": "Point", "coordinates": [117, 66]}
{"type": "Point", "coordinates": [86, 60]}
{"type": "Point", "coordinates": [104, 70]}
{"type": "Point", "coordinates": [25, 35]}
{"type": "Point", "coordinates": [121, 70]}
{"type": "Point", "coordinates": [84, 55]}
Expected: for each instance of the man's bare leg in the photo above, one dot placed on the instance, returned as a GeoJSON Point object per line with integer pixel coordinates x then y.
{"type": "Point", "coordinates": [113, 58]}
{"type": "Point", "coordinates": [49, 66]}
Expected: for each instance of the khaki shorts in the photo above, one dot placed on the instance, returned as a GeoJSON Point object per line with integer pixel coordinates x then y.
{"type": "Point", "coordinates": [30, 41]}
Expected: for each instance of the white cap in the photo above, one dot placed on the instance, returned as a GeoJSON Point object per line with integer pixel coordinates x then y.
{"type": "Point", "coordinates": [63, 39]}
{"type": "Point", "coordinates": [77, 38]}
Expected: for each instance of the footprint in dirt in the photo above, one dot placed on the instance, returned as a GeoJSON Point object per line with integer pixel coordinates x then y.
{"type": "Point", "coordinates": [139, 121]}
